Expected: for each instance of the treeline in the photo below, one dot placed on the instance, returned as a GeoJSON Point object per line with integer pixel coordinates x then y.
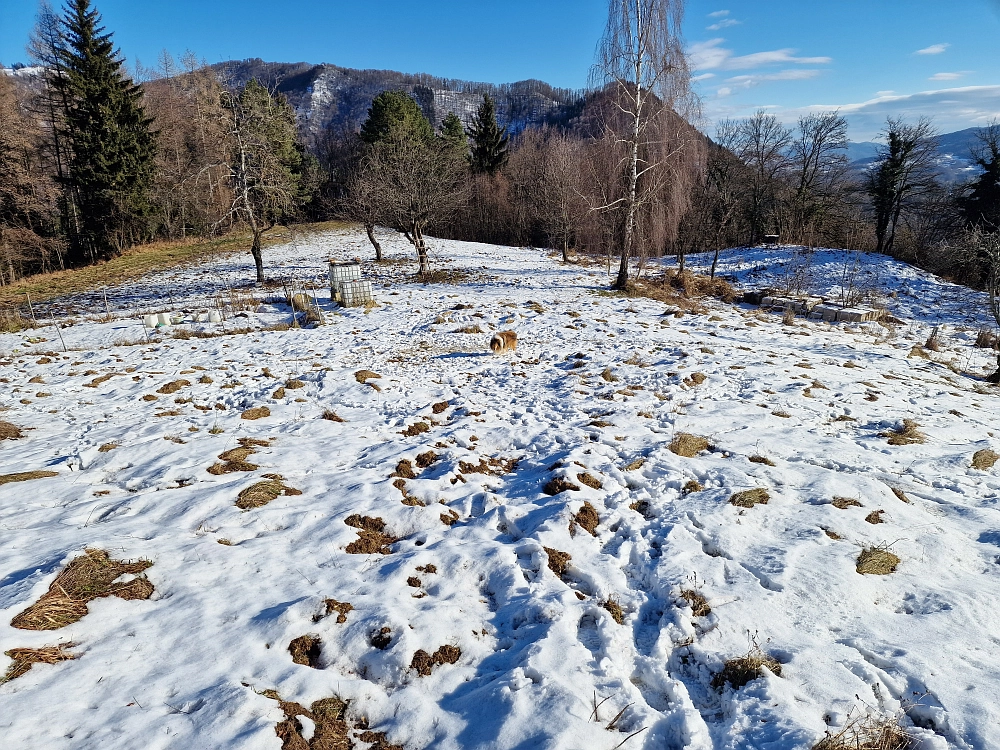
{"type": "Point", "coordinates": [91, 164]}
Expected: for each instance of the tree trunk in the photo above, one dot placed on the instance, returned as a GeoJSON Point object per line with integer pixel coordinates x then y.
{"type": "Point", "coordinates": [565, 250]}
{"type": "Point", "coordinates": [995, 377]}
{"type": "Point", "coordinates": [258, 258]}
{"type": "Point", "coordinates": [370, 229]}
{"type": "Point", "coordinates": [421, 246]}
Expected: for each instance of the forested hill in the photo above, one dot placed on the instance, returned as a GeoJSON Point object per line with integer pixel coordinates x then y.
{"type": "Point", "coordinates": [328, 97]}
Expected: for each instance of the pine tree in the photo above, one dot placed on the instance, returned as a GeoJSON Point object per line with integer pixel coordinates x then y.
{"type": "Point", "coordinates": [395, 114]}
{"type": "Point", "coordinates": [112, 145]}
{"type": "Point", "coordinates": [453, 134]}
{"type": "Point", "coordinates": [981, 206]}
{"type": "Point", "coordinates": [489, 141]}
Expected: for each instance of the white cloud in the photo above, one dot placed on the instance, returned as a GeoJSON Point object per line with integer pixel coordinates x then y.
{"type": "Point", "coordinates": [785, 75]}
{"type": "Point", "coordinates": [934, 49]}
{"type": "Point", "coordinates": [725, 23]}
{"type": "Point", "coordinates": [703, 77]}
{"type": "Point", "coordinates": [719, 14]}
{"type": "Point", "coordinates": [949, 76]}
{"type": "Point", "coordinates": [724, 92]}
{"type": "Point", "coordinates": [710, 56]}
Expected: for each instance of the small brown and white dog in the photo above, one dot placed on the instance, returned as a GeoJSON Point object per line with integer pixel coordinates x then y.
{"type": "Point", "coordinates": [504, 341]}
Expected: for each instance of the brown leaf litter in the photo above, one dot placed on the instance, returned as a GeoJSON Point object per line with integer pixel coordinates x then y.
{"type": "Point", "coordinates": [423, 662]}
{"type": "Point", "coordinates": [87, 577]}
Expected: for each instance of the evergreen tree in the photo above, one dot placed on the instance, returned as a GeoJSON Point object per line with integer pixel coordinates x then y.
{"type": "Point", "coordinates": [453, 134]}
{"type": "Point", "coordinates": [395, 114]}
{"type": "Point", "coordinates": [111, 144]}
{"type": "Point", "coordinates": [981, 207]}
{"type": "Point", "coordinates": [489, 141]}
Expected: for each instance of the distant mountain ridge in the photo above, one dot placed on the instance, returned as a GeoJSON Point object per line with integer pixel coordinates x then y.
{"type": "Point", "coordinates": [327, 97]}
{"type": "Point", "coordinates": [954, 154]}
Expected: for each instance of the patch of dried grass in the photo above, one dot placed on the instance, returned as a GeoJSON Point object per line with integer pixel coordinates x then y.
{"type": "Point", "coordinates": [843, 503]}
{"type": "Point", "coordinates": [869, 732]}
{"type": "Point", "coordinates": [87, 577]}
{"type": "Point", "coordinates": [559, 484]}
{"type": "Point", "coordinates": [10, 431]}
{"type": "Point", "coordinates": [330, 728]}
{"type": "Point", "coordinates": [173, 386]}
{"type": "Point", "coordinates": [341, 608]}
{"type": "Point", "coordinates": [306, 650]}
{"type": "Point", "coordinates": [26, 658]}
{"type": "Point", "coordinates": [258, 412]}
{"type": "Point", "coordinates": [363, 376]}
{"type": "Point", "coordinates": [588, 518]}
{"type": "Point", "coordinates": [331, 416]}
{"type": "Point", "coordinates": [558, 561]}
{"type": "Point", "coordinates": [614, 609]}
{"type": "Point", "coordinates": [260, 494]}
{"type": "Point", "coordinates": [424, 663]}
{"type": "Point", "coordinates": [877, 561]}
{"type": "Point", "coordinates": [985, 460]}
{"type": "Point", "coordinates": [758, 459]}
{"type": "Point", "coordinates": [417, 428]}
{"type": "Point", "coordinates": [590, 480]}
{"type": "Point", "coordinates": [699, 604]}
{"type": "Point", "coordinates": [692, 486]}
{"type": "Point", "coordinates": [744, 669]}
{"type": "Point", "coordinates": [907, 434]}
{"type": "Point", "coordinates": [26, 476]}
{"type": "Point", "coordinates": [687, 445]}
{"type": "Point", "coordinates": [372, 538]}
{"type": "Point", "coordinates": [750, 498]}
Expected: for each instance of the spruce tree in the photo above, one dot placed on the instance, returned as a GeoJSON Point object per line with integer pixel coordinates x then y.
{"type": "Point", "coordinates": [489, 140]}
{"type": "Point", "coordinates": [112, 146]}
{"type": "Point", "coordinates": [395, 114]}
{"type": "Point", "coordinates": [453, 134]}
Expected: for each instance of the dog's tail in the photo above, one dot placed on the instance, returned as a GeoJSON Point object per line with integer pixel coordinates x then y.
{"type": "Point", "coordinates": [496, 343]}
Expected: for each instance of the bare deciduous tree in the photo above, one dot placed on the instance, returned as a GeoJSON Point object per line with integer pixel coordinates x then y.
{"type": "Point", "coordinates": [761, 142]}
{"type": "Point", "coordinates": [641, 61]}
{"type": "Point", "coordinates": [819, 168]}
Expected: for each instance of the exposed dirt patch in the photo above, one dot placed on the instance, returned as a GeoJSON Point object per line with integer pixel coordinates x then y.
{"type": "Point", "coordinates": [341, 608]}
{"type": "Point", "coordinates": [424, 663]}
{"type": "Point", "coordinates": [615, 610]}
{"type": "Point", "coordinates": [761, 460]}
{"type": "Point", "coordinates": [875, 517]}
{"type": "Point", "coordinates": [87, 577]}
{"type": "Point", "coordinates": [440, 407]}
{"type": "Point", "coordinates": [699, 604]}
{"type": "Point", "coordinates": [750, 498]}
{"type": "Point", "coordinates": [588, 518]}
{"type": "Point", "coordinates": [363, 376]}
{"type": "Point", "coordinates": [260, 494]}
{"type": "Point", "coordinates": [331, 730]}
{"type": "Point", "coordinates": [424, 460]}
{"type": "Point", "coordinates": [306, 650]}
{"type": "Point", "coordinates": [417, 428]}
{"type": "Point", "coordinates": [843, 503]}
{"type": "Point", "coordinates": [331, 416]}
{"type": "Point", "coordinates": [877, 561]}
{"type": "Point", "coordinates": [381, 638]}
{"type": "Point", "coordinates": [590, 480]}
{"type": "Point", "coordinates": [404, 469]}
{"type": "Point", "coordinates": [173, 386]}
{"type": "Point", "coordinates": [26, 476]}
{"type": "Point", "coordinates": [258, 412]}
{"type": "Point", "coordinates": [558, 561]}
{"type": "Point", "coordinates": [26, 658]}
{"type": "Point", "coordinates": [559, 484]}
{"type": "Point", "coordinates": [688, 446]}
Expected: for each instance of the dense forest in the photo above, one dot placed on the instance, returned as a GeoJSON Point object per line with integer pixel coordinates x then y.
{"type": "Point", "coordinates": [93, 163]}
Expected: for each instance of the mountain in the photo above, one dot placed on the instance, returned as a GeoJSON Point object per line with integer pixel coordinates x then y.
{"type": "Point", "coordinates": [954, 154]}
{"type": "Point", "coordinates": [328, 97]}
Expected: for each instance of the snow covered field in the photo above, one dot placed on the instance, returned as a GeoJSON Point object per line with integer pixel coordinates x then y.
{"type": "Point", "coordinates": [473, 630]}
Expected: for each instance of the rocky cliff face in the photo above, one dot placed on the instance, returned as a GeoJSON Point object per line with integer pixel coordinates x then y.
{"type": "Point", "coordinates": [327, 97]}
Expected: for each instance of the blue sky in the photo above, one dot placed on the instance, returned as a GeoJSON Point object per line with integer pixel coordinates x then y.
{"type": "Point", "coordinates": [870, 58]}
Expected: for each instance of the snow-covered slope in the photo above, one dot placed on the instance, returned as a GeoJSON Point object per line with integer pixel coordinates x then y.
{"type": "Point", "coordinates": [598, 389]}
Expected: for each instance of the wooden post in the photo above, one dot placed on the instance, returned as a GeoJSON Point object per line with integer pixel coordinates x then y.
{"type": "Point", "coordinates": [34, 322]}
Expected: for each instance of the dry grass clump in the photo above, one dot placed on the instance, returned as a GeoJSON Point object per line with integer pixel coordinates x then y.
{"type": "Point", "coordinates": [900, 494]}
{"type": "Point", "coordinates": [908, 434]}
{"type": "Point", "coordinates": [468, 329]}
{"type": "Point", "coordinates": [107, 447]}
{"type": "Point", "coordinates": [877, 561]}
{"type": "Point", "coordinates": [331, 606]}
{"type": "Point", "coordinates": [558, 561]}
{"type": "Point", "coordinates": [306, 650]}
{"type": "Point", "coordinates": [986, 339]}
{"type": "Point", "coordinates": [744, 669]}
{"type": "Point", "coordinates": [590, 480]}
{"type": "Point", "coordinates": [450, 518]}
{"type": "Point", "coordinates": [97, 381]}
{"type": "Point", "coordinates": [933, 343]}
{"type": "Point", "coordinates": [699, 604]}
{"type": "Point", "coordinates": [331, 416]}
{"type": "Point", "coordinates": [691, 486]}
{"type": "Point", "coordinates": [423, 662]}
{"type": "Point", "coordinates": [26, 658]}
{"type": "Point", "coordinates": [372, 538]}
{"type": "Point", "coordinates": [26, 476]}
{"type": "Point", "coordinates": [750, 498]}
{"type": "Point", "coordinates": [875, 517]}
{"type": "Point", "coordinates": [869, 732]}
{"type": "Point", "coordinates": [615, 610]}
{"type": "Point", "coordinates": [424, 460]}
{"type": "Point", "coordinates": [674, 286]}
{"type": "Point", "coordinates": [235, 459]}
{"type": "Point", "coordinates": [9, 431]}
{"type": "Point", "coordinates": [634, 465]}
{"type": "Point", "coordinates": [173, 386]}
{"type": "Point", "coordinates": [695, 379]}
{"type": "Point", "coordinates": [331, 730]}
{"type": "Point", "coordinates": [87, 577]}
{"type": "Point", "coordinates": [278, 394]}
{"type": "Point", "coordinates": [441, 406]}
{"type": "Point", "coordinates": [260, 494]}
{"type": "Point", "coordinates": [404, 469]}
{"type": "Point", "coordinates": [609, 376]}
{"type": "Point", "coordinates": [843, 503]}
{"type": "Point", "coordinates": [985, 460]}
{"type": "Point", "coordinates": [758, 459]}
{"type": "Point", "coordinates": [588, 518]}
{"type": "Point", "coordinates": [258, 412]}
{"type": "Point", "coordinates": [559, 484]}
{"type": "Point", "coordinates": [688, 446]}
{"type": "Point", "coordinates": [363, 376]}
{"type": "Point", "coordinates": [417, 428]}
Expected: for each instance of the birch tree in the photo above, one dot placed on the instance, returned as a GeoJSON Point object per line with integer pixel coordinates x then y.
{"type": "Point", "coordinates": [641, 63]}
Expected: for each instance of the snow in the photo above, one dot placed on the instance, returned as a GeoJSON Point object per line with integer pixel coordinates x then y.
{"type": "Point", "coordinates": [187, 667]}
